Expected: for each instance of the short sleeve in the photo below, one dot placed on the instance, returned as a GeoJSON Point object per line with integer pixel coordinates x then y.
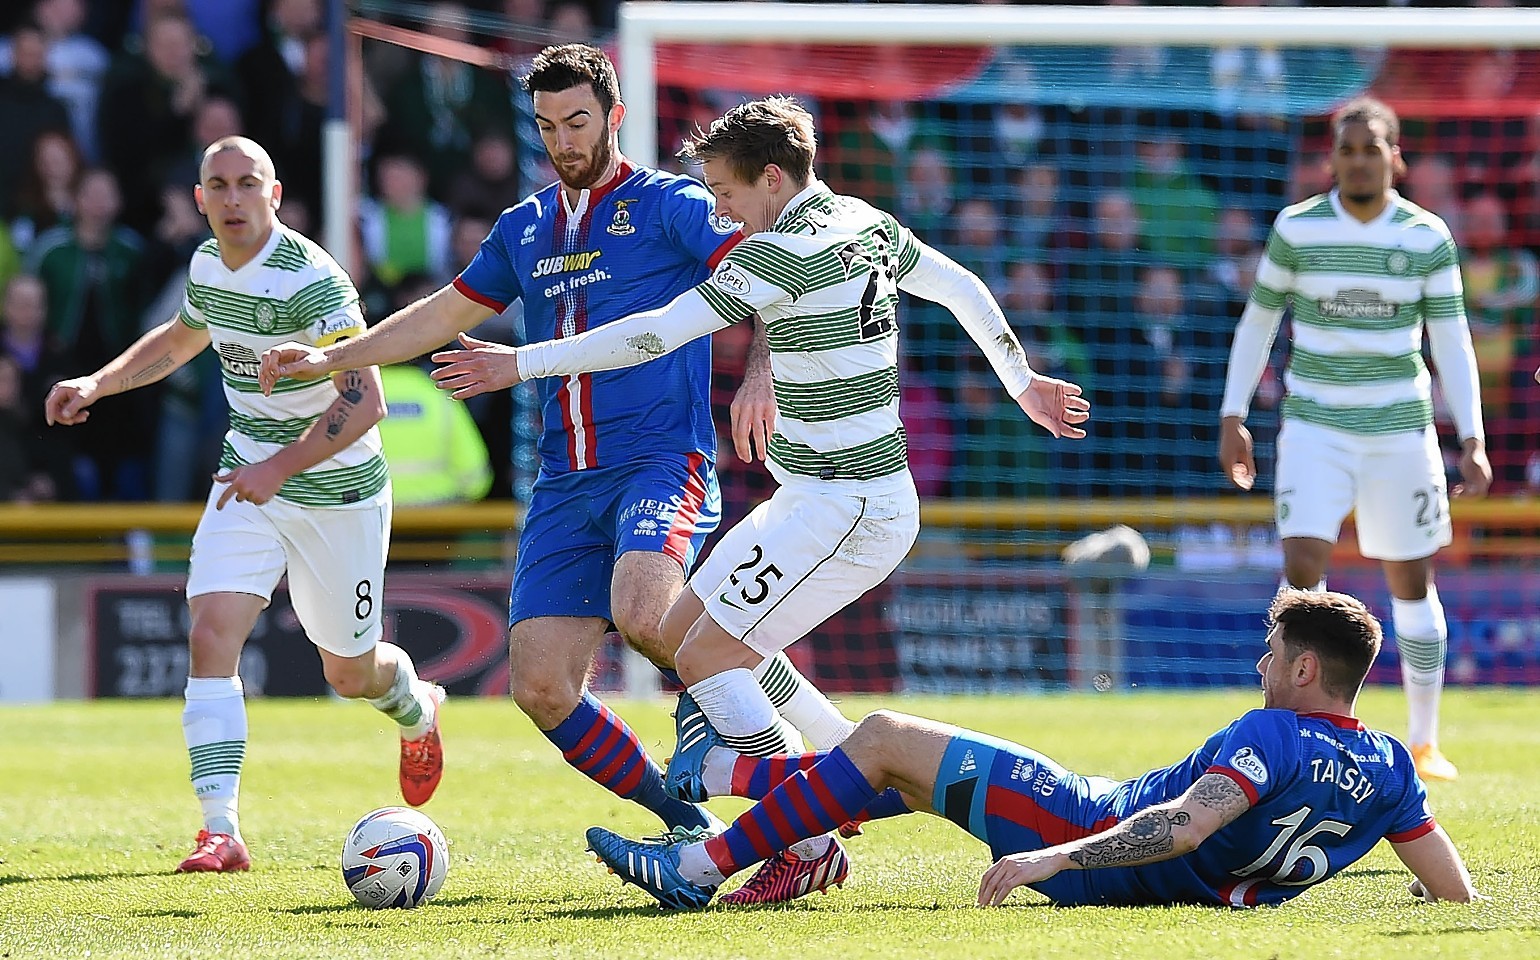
{"type": "Point", "coordinates": [191, 312]}
{"type": "Point", "coordinates": [906, 249]}
{"type": "Point", "coordinates": [755, 274]}
{"type": "Point", "coordinates": [691, 223]}
{"type": "Point", "coordinates": [491, 279]}
{"type": "Point", "coordinates": [1413, 819]}
{"type": "Point", "coordinates": [330, 304]}
{"type": "Point", "coordinates": [1260, 752]}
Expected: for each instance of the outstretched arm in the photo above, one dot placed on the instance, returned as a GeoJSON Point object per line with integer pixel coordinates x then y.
{"type": "Point", "coordinates": [482, 366]}
{"type": "Point", "coordinates": [151, 358]}
{"type": "Point", "coordinates": [409, 332]}
{"type": "Point", "coordinates": [1440, 873]}
{"type": "Point", "coordinates": [1149, 836]}
{"type": "Point", "coordinates": [1055, 405]}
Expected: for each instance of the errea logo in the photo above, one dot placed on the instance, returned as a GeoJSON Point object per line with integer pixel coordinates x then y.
{"type": "Point", "coordinates": [546, 266]}
{"type": "Point", "coordinates": [529, 236]}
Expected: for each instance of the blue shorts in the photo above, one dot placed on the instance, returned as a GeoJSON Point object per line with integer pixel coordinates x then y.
{"type": "Point", "coordinates": [579, 523]}
{"type": "Point", "coordinates": [1016, 799]}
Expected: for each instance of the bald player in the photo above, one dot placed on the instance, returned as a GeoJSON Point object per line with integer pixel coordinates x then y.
{"type": "Point", "coordinates": [301, 488]}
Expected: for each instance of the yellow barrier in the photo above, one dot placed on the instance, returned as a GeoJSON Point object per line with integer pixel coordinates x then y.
{"type": "Point", "coordinates": [52, 534]}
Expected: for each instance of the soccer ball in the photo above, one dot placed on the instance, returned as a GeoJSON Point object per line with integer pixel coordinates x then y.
{"type": "Point", "coordinates": [394, 857]}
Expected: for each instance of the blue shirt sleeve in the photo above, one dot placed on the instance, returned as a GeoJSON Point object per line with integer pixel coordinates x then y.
{"type": "Point", "coordinates": [1260, 752]}
{"type": "Point", "coordinates": [1413, 818]}
{"type": "Point", "coordinates": [491, 279]}
{"type": "Point", "coordinates": [691, 223]}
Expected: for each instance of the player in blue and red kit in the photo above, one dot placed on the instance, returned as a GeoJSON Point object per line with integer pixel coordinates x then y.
{"type": "Point", "coordinates": [1281, 799]}
{"type": "Point", "coordinates": [627, 490]}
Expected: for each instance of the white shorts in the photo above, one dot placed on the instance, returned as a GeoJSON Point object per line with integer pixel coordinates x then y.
{"type": "Point", "coordinates": [1394, 485]}
{"type": "Point", "coordinates": [802, 556]}
{"type": "Point", "coordinates": [335, 559]}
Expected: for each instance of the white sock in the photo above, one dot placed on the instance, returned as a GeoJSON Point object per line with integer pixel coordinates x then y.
{"type": "Point", "coordinates": [742, 713]}
{"type": "Point", "coordinates": [1422, 639]}
{"type": "Point", "coordinates": [697, 867]}
{"type": "Point", "coordinates": [734, 703]}
{"type": "Point", "coordinates": [409, 701]}
{"type": "Point", "coordinates": [214, 726]}
{"type": "Point", "coordinates": [809, 711]}
{"type": "Point", "coordinates": [716, 772]}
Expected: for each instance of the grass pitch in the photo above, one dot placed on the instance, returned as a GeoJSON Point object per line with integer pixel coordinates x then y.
{"type": "Point", "coordinates": [95, 812]}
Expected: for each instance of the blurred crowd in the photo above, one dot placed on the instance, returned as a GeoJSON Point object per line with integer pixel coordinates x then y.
{"type": "Point", "coordinates": [1121, 242]}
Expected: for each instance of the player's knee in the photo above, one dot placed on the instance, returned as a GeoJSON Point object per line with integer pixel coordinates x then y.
{"type": "Point", "coordinates": [209, 646]}
{"type": "Point", "coordinates": [545, 698]}
{"type": "Point", "coordinates": [1303, 568]}
{"type": "Point", "coordinates": [642, 629]}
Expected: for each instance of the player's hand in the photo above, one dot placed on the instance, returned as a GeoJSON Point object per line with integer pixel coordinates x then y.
{"type": "Point", "coordinates": [1056, 406]}
{"type": "Point", "coordinates": [254, 483]}
{"type": "Point", "coordinates": [1014, 871]}
{"type": "Point", "coordinates": [1476, 470]}
{"type": "Point", "coordinates": [300, 361]}
{"type": "Point", "coordinates": [1235, 453]}
{"type": "Point", "coordinates": [480, 368]}
{"type": "Point", "coordinates": [68, 399]}
{"type": "Point", "coordinates": [753, 416]}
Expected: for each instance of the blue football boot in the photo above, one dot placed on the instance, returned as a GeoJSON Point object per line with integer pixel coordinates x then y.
{"type": "Point", "coordinates": [651, 865]}
{"type": "Point", "coordinates": [696, 736]}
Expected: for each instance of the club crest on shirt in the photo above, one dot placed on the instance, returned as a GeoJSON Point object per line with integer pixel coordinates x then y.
{"type": "Point", "coordinates": [266, 317]}
{"type": "Point", "coordinates": [1398, 262]}
{"type": "Point", "coordinates": [731, 279]}
{"type": "Point", "coordinates": [723, 224]}
{"type": "Point", "coordinates": [620, 225]}
{"type": "Point", "coordinates": [1249, 765]}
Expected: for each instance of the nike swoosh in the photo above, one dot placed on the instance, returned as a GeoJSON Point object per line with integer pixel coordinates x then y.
{"type": "Point", "coordinates": [359, 633]}
{"type": "Point", "coordinates": [724, 599]}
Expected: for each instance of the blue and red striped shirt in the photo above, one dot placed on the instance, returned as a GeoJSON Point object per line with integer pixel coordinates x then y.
{"type": "Point", "coordinates": [628, 246]}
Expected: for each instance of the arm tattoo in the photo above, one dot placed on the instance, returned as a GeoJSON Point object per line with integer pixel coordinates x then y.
{"type": "Point", "coordinates": [1218, 792]}
{"type": "Point", "coordinates": [353, 387]}
{"type": "Point", "coordinates": [151, 372]}
{"type": "Point", "coordinates": [1144, 836]}
{"type": "Point", "coordinates": [352, 393]}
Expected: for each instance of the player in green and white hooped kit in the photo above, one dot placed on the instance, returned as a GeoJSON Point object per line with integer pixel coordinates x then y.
{"type": "Point", "coordinates": [1366, 271]}
{"type": "Point", "coordinates": [823, 272]}
{"type": "Point", "coordinates": [302, 488]}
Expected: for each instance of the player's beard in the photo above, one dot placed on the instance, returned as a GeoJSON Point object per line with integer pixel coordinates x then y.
{"type": "Point", "coordinates": [587, 176]}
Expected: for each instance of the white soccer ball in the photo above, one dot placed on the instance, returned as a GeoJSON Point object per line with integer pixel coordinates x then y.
{"type": "Point", "coordinates": [394, 857]}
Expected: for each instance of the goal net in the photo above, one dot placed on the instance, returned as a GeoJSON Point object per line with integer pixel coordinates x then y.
{"type": "Point", "coordinates": [1112, 173]}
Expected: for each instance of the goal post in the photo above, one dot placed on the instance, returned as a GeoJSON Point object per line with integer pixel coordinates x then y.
{"type": "Point", "coordinates": [642, 26]}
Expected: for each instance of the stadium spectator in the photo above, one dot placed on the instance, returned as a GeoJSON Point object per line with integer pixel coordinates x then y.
{"type": "Point", "coordinates": [490, 184]}
{"type": "Point", "coordinates": [434, 450]}
{"type": "Point", "coordinates": [270, 73]}
{"type": "Point", "coordinates": [405, 232]}
{"type": "Point", "coordinates": [997, 454]}
{"type": "Point", "coordinates": [1177, 211]}
{"type": "Point", "coordinates": [928, 427]}
{"type": "Point", "coordinates": [46, 196]}
{"type": "Point", "coordinates": [1431, 182]}
{"type": "Point", "coordinates": [866, 153]}
{"type": "Point", "coordinates": [146, 114]}
{"type": "Point", "coordinates": [926, 198]}
{"type": "Point", "coordinates": [1019, 131]}
{"type": "Point", "coordinates": [1104, 277]}
{"type": "Point", "coordinates": [438, 107]}
{"type": "Point", "coordinates": [77, 63]}
{"type": "Point", "coordinates": [24, 342]}
{"type": "Point", "coordinates": [213, 118]}
{"type": "Point", "coordinates": [1226, 279]}
{"type": "Point", "coordinates": [23, 478]}
{"type": "Point", "coordinates": [91, 268]}
{"type": "Point", "coordinates": [226, 28]}
{"type": "Point", "coordinates": [27, 108]}
{"type": "Point", "coordinates": [1037, 223]}
{"type": "Point", "coordinates": [1502, 285]}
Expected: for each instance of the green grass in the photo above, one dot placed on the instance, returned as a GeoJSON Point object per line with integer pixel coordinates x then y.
{"type": "Point", "coordinates": [95, 810]}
